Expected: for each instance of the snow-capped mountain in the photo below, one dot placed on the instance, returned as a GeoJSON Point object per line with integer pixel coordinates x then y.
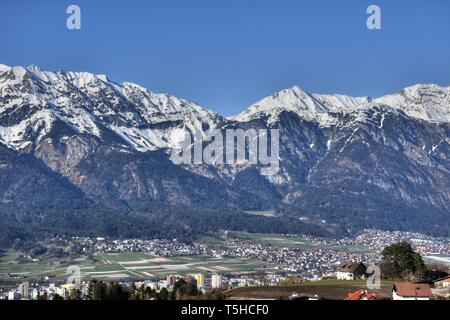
{"type": "Point", "coordinates": [91, 103]}
{"type": "Point", "coordinates": [423, 101]}
{"type": "Point", "coordinates": [293, 100]}
{"type": "Point", "coordinates": [366, 161]}
{"type": "Point", "coordinates": [354, 161]}
{"type": "Point", "coordinates": [31, 101]}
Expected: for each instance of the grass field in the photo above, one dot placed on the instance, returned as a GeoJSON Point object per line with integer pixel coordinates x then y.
{"type": "Point", "coordinates": [268, 213]}
{"type": "Point", "coordinates": [8, 255]}
{"type": "Point", "coordinates": [132, 265]}
{"type": "Point", "coordinates": [33, 270]}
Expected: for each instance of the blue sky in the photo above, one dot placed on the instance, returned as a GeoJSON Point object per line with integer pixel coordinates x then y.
{"type": "Point", "coordinates": [228, 54]}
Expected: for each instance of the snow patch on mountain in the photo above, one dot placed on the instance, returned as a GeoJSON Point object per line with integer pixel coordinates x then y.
{"type": "Point", "coordinates": [428, 102]}
{"type": "Point", "coordinates": [341, 103]}
{"type": "Point", "coordinates": [423, 101]}
{"type": "Point", "coordinates": [15, 136]}
{"type": "Point", "coordinates": [31, 100]}
{"type": "Point", "coordinates": [293, 100]}
{"type": "Point", "coordinates": [4, 68]}
{"type": "Point", "coordinates": [88, 103]}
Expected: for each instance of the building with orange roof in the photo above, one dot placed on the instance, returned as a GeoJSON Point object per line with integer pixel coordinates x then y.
{"type": "Point", "coordinates": [411, 291]}
{"type": "Point", "coordinates": [361, 294]}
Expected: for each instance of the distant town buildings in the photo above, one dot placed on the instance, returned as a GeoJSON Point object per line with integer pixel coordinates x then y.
{"type": "Point", "coordinates": [24, 290]}
{"type": "Point", "coordinates": [200, 278]}
{"type": "Point", "coordinates": [216, 281]}
{"type": "Point", "coordinates": [323, 259]}
{"type": "Point", "coordinates": [14, 295]}
{"type": "Point", "coordinates": [171, 279]}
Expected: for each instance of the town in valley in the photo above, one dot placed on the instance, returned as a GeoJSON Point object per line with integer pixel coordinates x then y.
{"type": "Point", "coordinates": [234, 265]}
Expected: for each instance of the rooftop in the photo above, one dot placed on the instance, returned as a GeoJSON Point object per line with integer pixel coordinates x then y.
{"type": "Point", "coordinates": [413, 289]}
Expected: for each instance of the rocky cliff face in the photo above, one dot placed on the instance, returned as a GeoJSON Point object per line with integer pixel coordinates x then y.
{"type": "Point", "coordinates": [357, 162]}
{"type": "Point", "coordinates": [362, 161]}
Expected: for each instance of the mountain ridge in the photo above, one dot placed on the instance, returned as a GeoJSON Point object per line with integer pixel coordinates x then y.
{"type": "Point", "coordinates": [320, 103]}
{"type": "Point", "coordinates": [354, 161]}
{"type": "Point", "coordinates": [311, 105]}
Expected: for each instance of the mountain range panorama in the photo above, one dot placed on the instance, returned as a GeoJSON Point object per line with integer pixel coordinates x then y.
{"type": "Point", "coordinates": [82, 154]}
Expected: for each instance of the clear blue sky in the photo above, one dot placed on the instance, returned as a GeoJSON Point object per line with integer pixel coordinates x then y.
{"type": "Point", "coordinates": [227, 54]}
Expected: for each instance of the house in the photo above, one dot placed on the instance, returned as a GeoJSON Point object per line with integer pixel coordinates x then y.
{"type": "Point", "coordinates": [411, 291]}
{"type": "Point", "coordinates": [351, 271]}
{"type": "Point", "coordinates": [442, 283]}
{"type": "Point", "coordinates": [361, 295]}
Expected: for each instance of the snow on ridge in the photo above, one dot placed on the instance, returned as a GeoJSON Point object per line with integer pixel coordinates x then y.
{"type": "Point", "coordinates": [135, 86]}
{"type": "Point", "coordinates": [339, 102]}
{"type": "Point", "coordinates": [15, 136]}
{"type": "Point", "coordinates": [88, 102]}
{"type": "Point", "coordinates": [293, 99]}
{"type": "Point", "coordinates": [4, 68]}
{"type": "Point", "coordinates": [428, 102]}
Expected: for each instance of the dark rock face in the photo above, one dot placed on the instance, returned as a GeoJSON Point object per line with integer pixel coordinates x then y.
{"type": "Point", "coordinates": [27, 183]}
{"type": "Point", "coordinates": [76, 141]}
{"type": "Point", "coordinates": [371, 176]}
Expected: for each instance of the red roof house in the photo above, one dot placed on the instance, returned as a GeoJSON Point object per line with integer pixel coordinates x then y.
{"type": "Point", "coordinates": [411, 291]}
{"type": "Point", "coordinates": [361, 295]}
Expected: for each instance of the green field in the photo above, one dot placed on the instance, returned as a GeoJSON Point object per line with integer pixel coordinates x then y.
{"type": "Point", "coordinates": [50, 267]}
{"type": "Point", "coordinates": [131, 265]}
{"type": "Point", "coordinates": [267, 213]}
{"type": "Point", "coordinates": [8, 255]}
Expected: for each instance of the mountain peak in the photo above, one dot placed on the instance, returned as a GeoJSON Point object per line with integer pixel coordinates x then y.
{"type": "Point", "coordinates": [294, 99]}
{"type": "Point", "coordinates": [33, 102]}
{"type": "Point", "coordinates": [4, 68]}
{"type": "Point", "coordinates": [421, 86]}
{"type": "Point", "coordinates": [428, 102]}
{"type": "Point", "coordinates": [294, 91]}
{"type": "Point", "coordinates": [33, 68]}
{"type": "Point", "coordinates": [134, 86]}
